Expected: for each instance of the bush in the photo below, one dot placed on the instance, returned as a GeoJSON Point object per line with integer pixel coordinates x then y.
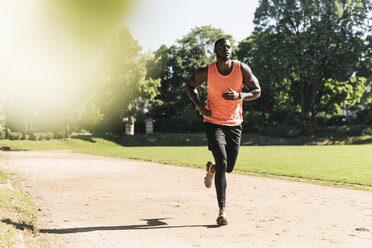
{"type": "Point", "coordinates": [281, 130]}
{"type": "Point", "coordinates": [2, 127]}
{"type": "Point", "coordinates": [42, 136]}
{"type": "Point", "coordinates": [367, 131]}
{"type": "Point", "coordinates": [35, 136]}
{"type": "Point", "coordinates": [365, 116]}
{"type": "Point", "coordinates": [14, 136]}
{"type": "Point", "coordinates": [252, 121]}
{"type": "Point", "coordinates": [49, 135]}
{"type": "Point", "coordinates": [338, 120]}
{"type": "Point", "coordinates": [61, 134]}
{"type": "Point", "coordinates": [339, 131]}
{"type": "Point", "coordinates": [2, 132]}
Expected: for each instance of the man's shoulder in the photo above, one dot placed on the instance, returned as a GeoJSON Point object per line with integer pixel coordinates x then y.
{"type": "Point", "coordinates": [202, 73]}
{"type": "Point", "coordinates": [243, 65]}
{"type": "Point", "coordinates": [203, 69]}
{"type": "Point", "coordinates": [239, 62]}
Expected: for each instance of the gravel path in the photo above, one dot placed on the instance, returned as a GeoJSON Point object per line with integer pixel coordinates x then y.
{"type": "Point", "coordinates": [92, 201]}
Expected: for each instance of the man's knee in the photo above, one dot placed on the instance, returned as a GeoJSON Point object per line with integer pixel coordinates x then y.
{"type": "Point", "coordinates": [224, 164]}
{"type": "Point", "coordinates": [230, 168]}
{"type": "Point", "coordinates": [221, 165]}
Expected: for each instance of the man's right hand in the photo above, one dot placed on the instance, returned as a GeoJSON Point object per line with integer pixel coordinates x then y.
{"type": "Point", "coordinates": [205, 111]}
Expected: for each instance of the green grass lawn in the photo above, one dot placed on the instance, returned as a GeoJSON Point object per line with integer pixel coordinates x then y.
{"type": "Point", "coordinates": [348, 164]}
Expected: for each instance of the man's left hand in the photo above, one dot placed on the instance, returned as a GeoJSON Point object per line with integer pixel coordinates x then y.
{"type": "Point", "coordinates": [231, 95]}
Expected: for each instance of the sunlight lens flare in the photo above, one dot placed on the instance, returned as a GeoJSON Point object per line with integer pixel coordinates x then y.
{"type": "Point", "coordinates": [50, 53]}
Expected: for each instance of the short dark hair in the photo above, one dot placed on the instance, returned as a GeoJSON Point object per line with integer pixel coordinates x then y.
{"type": "Point", "coordinates": [219, 40]}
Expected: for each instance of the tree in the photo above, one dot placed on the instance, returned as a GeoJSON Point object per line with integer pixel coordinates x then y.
{"type": "Point", "coordinates": [175, 66]}
{"type": "Point", "coordinates": [87, 117]}
{"type": "Point", "coordinates": [261, 51]}
{"type": "Point", "coordinates": [124, 82]}
{"type": "Point", "coordinates": [319, 40]}
{"type": "Point", "coordinates": [341, 95]}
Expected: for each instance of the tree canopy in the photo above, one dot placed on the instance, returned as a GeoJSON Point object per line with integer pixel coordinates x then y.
{"type": "Point", "coordinates": [312, 43]}
{"type": "Point", "coordinates": [122, 85]}
{"type": "Point", "coordinates": [176, 64]}
{"type": "Point", "coordinates": [312, 58]}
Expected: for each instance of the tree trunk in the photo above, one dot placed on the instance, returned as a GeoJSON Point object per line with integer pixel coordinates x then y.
{"type": "Point", "coordinates": [308, 93]}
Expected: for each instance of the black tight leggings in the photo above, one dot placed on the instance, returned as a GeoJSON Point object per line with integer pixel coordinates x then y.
{"type": "Point", "coordinates": [224, 142]}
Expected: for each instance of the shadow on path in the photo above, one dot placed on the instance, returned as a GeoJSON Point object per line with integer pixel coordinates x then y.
{"type": "Point", "coordinates": [151, 224]}
{"type": "Point", "coordinates": [18, 225]}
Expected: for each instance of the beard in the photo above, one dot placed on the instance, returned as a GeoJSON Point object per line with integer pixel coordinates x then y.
{"type": "Point", "coordinates": [224, 57]}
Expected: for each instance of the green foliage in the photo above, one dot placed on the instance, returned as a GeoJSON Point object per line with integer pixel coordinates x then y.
{"type": "Point", "coordinates": [338, 95]}
{"type": "Point", "coordinates": [364, 113]}
{"type": "Point", "coordinates": [124, 84]}
{"type": "Point", "coordinates": [176, 65]}
{"type": "Point", "coordinates": [2, 126]}
{"type": "Point", "coordinates": [41, 136]}
{"type": "Point", "coordinates": [88, 116]}
{"type": "Point", "coordinates": [344, 132]}
{"type": "Point", "coordinates": [35, 136]}
{"type": "Point", "coordinates": [312, 58]}
{"type": "Point", "coordinates": [277, 103]}
{"type": "Point", "coordinates": [281, 130]}
{"type": "Point", "coordinates": [187, 117]}
{"type": "Point", "coordinates": [14, 136]}
{"type": "Point", "coordinates": [155, 139]}
{"type": "Point", "coordinates": [311, 42]}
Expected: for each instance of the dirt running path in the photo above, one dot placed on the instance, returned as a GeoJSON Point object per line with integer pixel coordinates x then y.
{"type": "Point", "coordinates": [92, 201]}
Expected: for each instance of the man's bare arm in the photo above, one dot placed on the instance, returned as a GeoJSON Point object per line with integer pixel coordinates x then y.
{"type": "Point", "coordinates": [251, 83]}
{"type": "Point", "coordinates": [196, 80]}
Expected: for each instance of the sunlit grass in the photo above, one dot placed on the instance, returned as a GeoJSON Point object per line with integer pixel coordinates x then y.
{"type": "Point", "coordinates": [17, 212]}
{"type": "Point", "coordinates": [348, 164]}
{"type": "Point", "coordinates": [2, 176]}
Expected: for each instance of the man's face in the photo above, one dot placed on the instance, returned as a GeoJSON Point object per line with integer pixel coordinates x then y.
{"type": "Point", "coordinates": [223, 50]}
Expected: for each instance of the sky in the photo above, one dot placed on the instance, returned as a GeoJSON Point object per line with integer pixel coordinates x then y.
{"type": "Point", "coordinates": [154, 23]}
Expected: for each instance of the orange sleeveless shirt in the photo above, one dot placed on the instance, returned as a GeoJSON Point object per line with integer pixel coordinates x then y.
{"type": "Point", "coordinates": [224, 112]}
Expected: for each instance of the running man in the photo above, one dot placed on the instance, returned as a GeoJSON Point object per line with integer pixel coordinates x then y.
{"type": "Point", "coordinates": [222, 114]}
